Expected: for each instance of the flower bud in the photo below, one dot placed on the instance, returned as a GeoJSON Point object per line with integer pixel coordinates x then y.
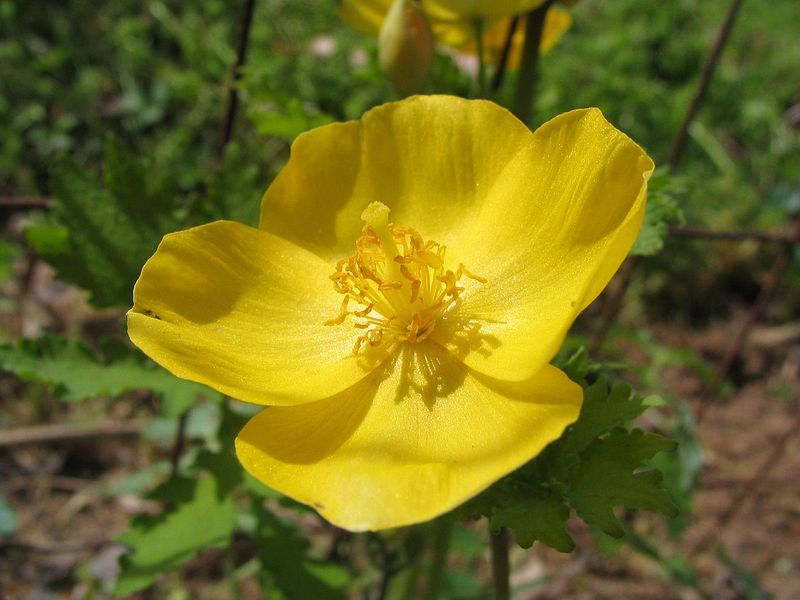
{"type": "Point", "coordinates": [406, 46]}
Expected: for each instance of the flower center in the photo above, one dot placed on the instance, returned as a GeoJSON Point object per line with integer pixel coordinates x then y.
{"type": "Point", "coordinates": [399, 279]}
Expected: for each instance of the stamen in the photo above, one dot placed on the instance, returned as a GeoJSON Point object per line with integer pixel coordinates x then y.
{"type": "Point", "coordinates": [400, 280]}
{"type": "Point", "coordinates": [477, 278]}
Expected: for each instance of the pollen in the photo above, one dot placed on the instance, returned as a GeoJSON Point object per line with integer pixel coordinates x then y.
{"type": "Point", "coordinates": [399, 282]}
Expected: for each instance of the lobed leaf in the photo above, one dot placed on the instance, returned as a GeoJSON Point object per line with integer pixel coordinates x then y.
{"type": "Point", "coordinates": [76, 373]}
{"type": "Point", "coordinates": [201, 517]}
{"type": "Point", "coordinates": [286, 568]}
{"type": "Point", "coordinates": [531, 519]}
{"type": "Point", "coordinates": [606, 478]}
{"type": "Point", "coordinates": [593, 468]}
{"type": "Point", "coordinates": [603, 408]}
{"type": "Point", "coordinates": [662, 211]}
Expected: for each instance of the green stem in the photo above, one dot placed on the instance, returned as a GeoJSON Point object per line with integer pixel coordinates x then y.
{"type": "Point", "coordinates": [443, 528]}
{"type": "Point", "coordinates": [501, 571]}
{"type": "Point", "coordinates": [410, 581]}
{"type": "Point", "coordinates": [528, 77]}
{"type": "Point", "coordinates": [478, 26]}
{"type": "Point", "coordinates": [502, 65]}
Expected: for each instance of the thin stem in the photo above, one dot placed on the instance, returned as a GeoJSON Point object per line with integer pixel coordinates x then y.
{"type": "Point", "coordinates": [478, 28]}
{"type": "Point", "coordinates": [501, 570]}
{"type": "Point", "coordinates": [500, 72]}
{"type": "Point", "coordinates": [613, 303]}
{"type": "Point", "coordinates": [741, 235]}
{"type": "Point", "coordinates": [232, 102]}
{"type": "Point", "coordinates": [443, 529]}
{"type": "Point", "coordinates": [768, 288]}
{"type": "Point", "coordinates": [180, 442]}
{"type": "Point", "coordinates": [410, 581]}
{"type": "Point", "coordinates": [528, 77]}
{"type": "Point", "coordinates": [388, 567]}
{"type": "Point", "coordinates": [675, 569]}
{"type": "Point", "coordinates": [705, 80]}
{"type": "Point", "coordinates": [25, 202]}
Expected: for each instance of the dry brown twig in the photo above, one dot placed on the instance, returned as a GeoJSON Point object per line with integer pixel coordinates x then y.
{"type": "Point", "coordinates": [54, 433]}
{"type": "Point", "coordinates": [768, 288]}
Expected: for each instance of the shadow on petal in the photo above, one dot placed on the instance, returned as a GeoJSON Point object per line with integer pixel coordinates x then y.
{"type": "Point", "coordinates": [282, 432]}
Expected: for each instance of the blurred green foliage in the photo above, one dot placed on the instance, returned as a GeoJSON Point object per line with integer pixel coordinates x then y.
{"type": "Point", "coordinates": [77, 373]}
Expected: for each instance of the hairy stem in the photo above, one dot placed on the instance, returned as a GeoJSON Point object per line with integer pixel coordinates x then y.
{"type": "Point", "coordinates": [440, 544]}
{"type": "Point", "coordinates": [710, 66]}
{"type": "Point", "coordinates": [502, 65]}
{"type": "Point", "coordinates": [501, 570]}
{"type": "Point", "coordinates": [528, 78]}
{"type": "Point", "coordinates": [478, 28]}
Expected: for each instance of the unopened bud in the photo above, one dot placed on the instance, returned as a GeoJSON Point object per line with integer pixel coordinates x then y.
{"type": "Point", "coordinates": [406, 46]}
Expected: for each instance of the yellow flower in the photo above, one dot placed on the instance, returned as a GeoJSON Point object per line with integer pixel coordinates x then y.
{"type": "Point", "coordinates": [412, 276]}
{"type": "Point", "coordinates": [480, 9]}
{"type": "Point", "coordinates": [458, 32]}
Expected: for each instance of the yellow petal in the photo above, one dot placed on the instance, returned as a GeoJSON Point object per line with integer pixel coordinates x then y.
{"type": "Point", "coordinates": [555, 228]}
{"type": "Point", "coordinates": [461, 35]}
{"type": "Point", "coordinates": [365, 15]}
{"type": "Point", "coordinates": [407, 443]}
{"type": "Point", "coordinates": [242, 311]}
{"type": "Point", "coordinates": [556, 22]}
{"type": "Point", "coordinates": [431, 159]}
{"type": "Point", "coordinates": [479, 9]}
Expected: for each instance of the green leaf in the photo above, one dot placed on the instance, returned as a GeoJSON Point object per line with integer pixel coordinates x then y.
{"type": "Point", "coordinates": [744, 580]}
{"type": "Point", "coordinates": [288, 124]}
{"type": "Point", "coordinates": [8, 252]}
{"type": "Point", "coordinates": [110, 231]}
{"type": "Point", "coordinates": [286, 569]}
{"type": "Point", "coordinates": [48, 239]}
{"type": "Point", "coordinates": [234, 191]}
{"type": "Point", "coordinates": [592, 468]}
{"type": "Point", "coordinates": [662, 211]}
{"type": "Point", "coordinates": [603, 409]}
{"type": "Point", "coordinates": [76, 373]}
{"type": "Point", "coordinates": [460, 584]}
{"type": "Point", "coordinates": [536, 519]}
{"type": "Point", "coordinates": [578, 365]}
{"type": "Point", "coordinates": [681, 468]}
{"type": "Point", "coordinates": [606, 479]}
{"type": "Point", "coordinates": [201, 517]}
{"type": "Point", "coordinates": [466, 542]}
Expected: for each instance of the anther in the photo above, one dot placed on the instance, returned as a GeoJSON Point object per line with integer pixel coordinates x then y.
{"type": "Point", "coordinates": [399, 279]}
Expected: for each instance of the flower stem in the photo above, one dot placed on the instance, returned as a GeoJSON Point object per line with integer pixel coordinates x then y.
{"type": "Point", "coordinates": [501, 571]}
{"type": "Point", "coordinates": [528, 77]}
{"type": "Point", "coordinates": [478, 27]}
{"type": "Point", "coordinates": [500, 72]}
{"type": "Point", "coordinates": [705, 79]}
{"type": "Point", "coordinates": [410, 581]}
{"type": "Point", "coordinates": [443, 528]}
